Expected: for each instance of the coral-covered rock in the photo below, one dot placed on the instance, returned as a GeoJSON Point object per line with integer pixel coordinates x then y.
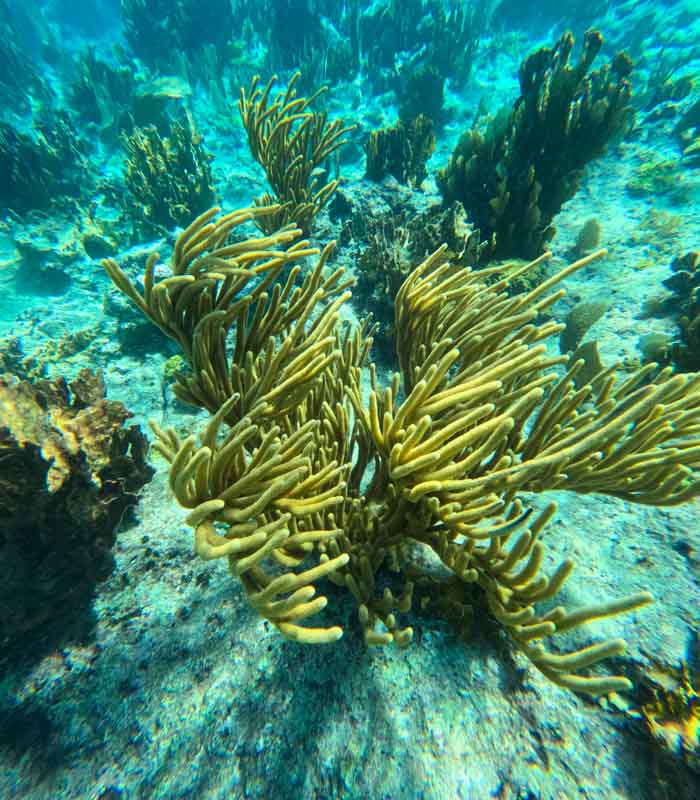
{"type": "Point", "coordinates": [70, 471]}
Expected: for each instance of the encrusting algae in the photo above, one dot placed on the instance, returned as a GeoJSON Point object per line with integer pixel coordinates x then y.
{"type": "Point", "coordinates": [297, 478]}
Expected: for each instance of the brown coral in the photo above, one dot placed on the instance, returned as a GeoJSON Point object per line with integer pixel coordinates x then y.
{"type": "Point", "coordinates": [514, 177]}
{"type": "Point", "coordinates": [70, 471]}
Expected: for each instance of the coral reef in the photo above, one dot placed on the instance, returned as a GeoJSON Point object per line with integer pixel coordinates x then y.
{"type": "Point", "coordinates": [688, 134]}
{"type": "Point", "coordinates": [387, 247]}
{"type": "Point", "coordinates": [168, 179]}
{"type": "Point", "coordinates": [685, 284]}
{"type": "Point", "coordinates": [161, 31]}
{"type": "Point", "coordinates": [296, 478]}
{"type": "Point", "coordinates": [40, 172]}
{"type": "Point", "coordinates": [514, 177]}
{"type": "Point", "coordinates": [401, 151]}
{"type": "Point", "coordinates": [292, 144]}
{"type": "Point", "coordinates": [70, 471]}
{"type": "Point", "coordinates": [393, 43]}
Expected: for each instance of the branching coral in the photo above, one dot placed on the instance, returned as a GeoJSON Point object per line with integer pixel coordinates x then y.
{"type": "Point", "coordinates": [317, 36]}
{"type": "Point", "coordinates": [21, 83]}
{"type": "Point", "coordinates": [162, 31]}
{"type": "Point", "coordinates": [401, 151]}
{"type": "Point", "coordinates": [168, 179]}
{"type": "Point", "coordinates": [514, 177]}
{"type": "Point", "coordinates": [685, 284]}
{"type": "Point", "coordinates": [297, 478]}
{"type": "Point", "coordinates": [101, 92]}
{"type": "Point", "coordinates": [42, 171]}
{"type": "Point", "coordinates": [291, 143]}
{"type": "Point", "coordinates": [421, 90]}
{"type": "Point", "coordinates": [440, 36]}
{"type": "Point", "coordinates": [387, 247]}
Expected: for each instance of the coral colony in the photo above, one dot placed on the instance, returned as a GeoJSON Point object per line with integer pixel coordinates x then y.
{"type": "Point", "coordinates": [362, 390]}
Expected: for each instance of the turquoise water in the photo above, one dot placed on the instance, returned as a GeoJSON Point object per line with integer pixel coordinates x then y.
{"type": "Point", "coordinates": [133, 667]}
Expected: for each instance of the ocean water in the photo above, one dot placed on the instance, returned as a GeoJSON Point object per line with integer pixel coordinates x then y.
{"type": "Point", "coordinates": [145, 651]}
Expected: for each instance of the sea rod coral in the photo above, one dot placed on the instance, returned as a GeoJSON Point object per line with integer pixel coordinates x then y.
{"type": "Point", "coordinates": [297, 478]}
{"type": "Point", "coordinates": [291, 143]}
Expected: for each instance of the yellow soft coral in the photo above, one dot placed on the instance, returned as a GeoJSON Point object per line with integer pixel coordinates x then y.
{"type": "Point", "coordinates": [297, 478]}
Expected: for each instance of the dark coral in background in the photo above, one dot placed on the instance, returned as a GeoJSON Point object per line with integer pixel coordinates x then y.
{"type": "Point", "coordinates": [514, 177]}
